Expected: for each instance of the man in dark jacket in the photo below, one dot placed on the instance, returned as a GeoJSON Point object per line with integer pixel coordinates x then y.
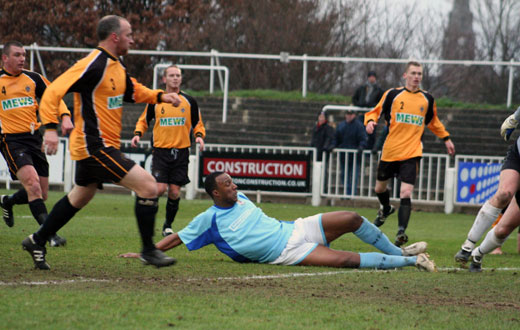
{"type": "Point", "coordinates": [351, 134]}
{"type": "Point", "coordinates": [322, 136]}
{"type": "Point", "coordinates": [367, 96]}
{"type": "Point", "coordinates": [323, 140]}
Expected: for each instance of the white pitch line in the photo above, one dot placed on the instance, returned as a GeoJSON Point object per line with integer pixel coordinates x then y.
{"type": "Point", "coordinates": [250, 277]}
{"type": "Point", "coordinates": [55, 282]}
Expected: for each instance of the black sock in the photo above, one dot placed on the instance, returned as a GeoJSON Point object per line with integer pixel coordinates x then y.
{"type": "Point", "coordinates": [38, 210]}
{"type": "Point", "coordinates": [384, 199]}
{"type": "Point", "coordinates": [145, 211]}
{"type": "Point", "coordinates": [403, 216]}
{"type": "Point", "coordinates": [19, 197]}
{"type": "Point", "coordinates": [172, 206]}
{"type": "Point", "coordinates": [60, 214]}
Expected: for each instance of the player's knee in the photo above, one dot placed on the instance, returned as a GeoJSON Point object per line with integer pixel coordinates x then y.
{"type": "Point", "coordinates": [503, 197]}
{"type": "Point", "coordinates": [379, 190]}
{"type": "Point", "coordinates": [502, 231]}
{"type": "Point", "coordinates": [33, 188]}
{"type": "Point", "coordinates": [174, 194]}
{"type": "Point", "coordinates": [160, 190]}
{"type": "Point", "coordinates": [148, 191]}
{"type": "Point", "coordinates": [352, 220]}
{"type": "Point", "coordinates": [405, 194]}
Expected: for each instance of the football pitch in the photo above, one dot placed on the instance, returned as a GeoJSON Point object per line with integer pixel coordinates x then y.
{"type": "Point", "coordinates": [88, 286]}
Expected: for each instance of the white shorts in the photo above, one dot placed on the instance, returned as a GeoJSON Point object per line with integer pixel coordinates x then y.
{"type": "Point", "coordinates": [307, 234]}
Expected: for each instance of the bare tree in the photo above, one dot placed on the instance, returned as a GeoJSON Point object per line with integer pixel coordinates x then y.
{"type": "Point", "coordinates": [498, 39]}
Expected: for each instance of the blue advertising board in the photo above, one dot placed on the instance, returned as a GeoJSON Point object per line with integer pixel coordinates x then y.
{"type": "Point", "coordinates": [477, 182]}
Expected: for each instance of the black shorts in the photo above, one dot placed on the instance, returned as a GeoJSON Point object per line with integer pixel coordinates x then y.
{"type": "Point", "coordinates": [405, 170]}
{"type": "Point", "coordinates": [106, 165]}
{"type": "Point", "coordinates": [171, 165]}
{"type": "Point", "coordinates": [512, 160]}
{"type": "Point", "coordinates": [24, 149]}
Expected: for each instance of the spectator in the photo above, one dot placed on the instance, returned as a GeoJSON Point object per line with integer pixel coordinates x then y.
{"type": "Point", "coordinates": [350, 134]}
{"type": "Point", "coordinates": [322, 137]}
{"type": "Point", "coordinates": [323, 140]}
{"type": "Point", "coordinates": [367, 96]}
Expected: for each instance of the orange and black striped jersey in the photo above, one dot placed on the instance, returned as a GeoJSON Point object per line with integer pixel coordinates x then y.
{"type": "Point", "coordinates": [19, 112]}
{"type": "Point", "coordinates": [406, 114]}
{"type": "Point", "coordinates": [100, 84]}
{"type": "Point", "coordinates": [173, 125]}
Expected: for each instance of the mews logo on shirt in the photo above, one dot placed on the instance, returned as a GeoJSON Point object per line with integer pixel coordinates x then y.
{"type": "Point", "coordinates": [238, 222]}
{"type": "Point", "coordinates": [407, 118]}
{"type": "Point", "coordinates": [172, 121]}
{"type": "Point", "coordinates": [115, 102]}
{"type": "Point", "coordinates": [18, 102]}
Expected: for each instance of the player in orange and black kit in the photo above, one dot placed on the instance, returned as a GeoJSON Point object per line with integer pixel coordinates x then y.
{"type": "Point", "coordinates": [100, 84]}
{"type": "Point", "coordinates": [406, 110]}
{"type": "Point", "coordinates": [171, 141]}
{"type": "Point", "coordinates": [21, 141]}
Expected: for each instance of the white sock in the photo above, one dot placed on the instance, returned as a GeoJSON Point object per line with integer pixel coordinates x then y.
{"type": "Point", "coordinates": [485, 218]}
{"type": "Point", "coordinates": [489, 243]}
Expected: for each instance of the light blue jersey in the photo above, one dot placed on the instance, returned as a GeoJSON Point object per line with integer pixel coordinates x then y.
{"type": "Point", "coordinates": [243, 232]}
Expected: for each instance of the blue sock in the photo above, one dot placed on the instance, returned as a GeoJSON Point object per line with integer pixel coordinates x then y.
{"type": "Point", "coordinates": [370, 234]}
{"type": "Point", "coordinates": [384, 261]}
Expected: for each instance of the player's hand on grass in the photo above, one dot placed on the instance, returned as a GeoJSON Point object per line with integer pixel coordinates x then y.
{"type": "Point", "coordinates": [508, 126]}
{"type": "Point", "coordinates": [129, 255]}
{"type": "Point", "coordinates": [50, 142]}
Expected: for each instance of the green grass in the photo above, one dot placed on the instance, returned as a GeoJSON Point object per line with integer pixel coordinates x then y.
{"type": "Point", "coordinates": [207, 290]}
{"type": "Point", "coordinates": [296, 96]}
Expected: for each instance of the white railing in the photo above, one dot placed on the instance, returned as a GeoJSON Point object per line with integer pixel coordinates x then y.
{"type": "Point", "coordinates": [349, 174]}
{"type": "Point", "coordinates": [285, 58]}
{"type": "Point", "coordinates": [436, 182]}
{"type": "Point", "coordinates": [344, 108]}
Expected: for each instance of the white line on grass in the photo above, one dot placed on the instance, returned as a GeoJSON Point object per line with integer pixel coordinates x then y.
{"type": "Point", "coordinates": [56, 282]}
{"type": "Point", "coordinates": [249, 277]}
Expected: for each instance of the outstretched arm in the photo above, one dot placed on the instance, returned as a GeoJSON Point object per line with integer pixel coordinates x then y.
{"type": "Point", "coordinates": [167, 243]}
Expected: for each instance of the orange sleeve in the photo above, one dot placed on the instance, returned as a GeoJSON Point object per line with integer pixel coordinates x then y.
{"type": "Point", "coordinates": [199, 129]}
{"type": "Point", "coordinates": [142, 94]}
{"type": "Point", "coordinates": [375, 113]}
{"type": "Point", "coordinates": [142, 123]}
{"type": "Point", "coordinates": [52, 105]}
{"type": "Point", "coordinates": [436, 126]}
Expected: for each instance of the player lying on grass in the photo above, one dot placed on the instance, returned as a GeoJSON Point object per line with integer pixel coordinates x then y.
{"type": "Point", "coordinates": [243, 232]}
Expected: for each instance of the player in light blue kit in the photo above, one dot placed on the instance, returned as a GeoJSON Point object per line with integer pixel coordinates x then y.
{"type": "Point", "coordinates": [243, 232]}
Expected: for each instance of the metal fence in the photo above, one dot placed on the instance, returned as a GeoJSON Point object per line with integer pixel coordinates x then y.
{"type": "Point", "coordinates": [215, 56]}
{"type": "Point", "coordinates": [345, 174]}
{"type": "Point", "coordinates": [349, 174]}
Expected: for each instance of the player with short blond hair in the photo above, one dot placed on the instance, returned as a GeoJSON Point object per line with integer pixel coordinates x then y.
{"type": "Point", "coordinates": [407, 111]}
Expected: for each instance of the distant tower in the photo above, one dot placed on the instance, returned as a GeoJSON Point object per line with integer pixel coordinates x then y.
{"type": "Point", "coordinates": [457, 81]}
{"type": "Point", "coordinates": [459, 38]}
